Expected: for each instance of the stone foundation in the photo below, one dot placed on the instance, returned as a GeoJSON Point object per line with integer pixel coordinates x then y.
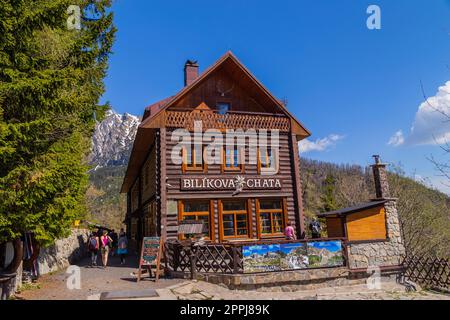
{"type": "Point", "coordinates": [290, 281]}
{"type": "Point", "coordinates": [382, 253]}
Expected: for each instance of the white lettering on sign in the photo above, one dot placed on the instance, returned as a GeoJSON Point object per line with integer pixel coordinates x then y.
{"type": "Point", "coordinates": [229, 183]}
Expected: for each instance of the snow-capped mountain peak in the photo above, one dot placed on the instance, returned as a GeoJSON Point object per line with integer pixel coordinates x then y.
{"type": "Point", "coordinates": [113, 139]}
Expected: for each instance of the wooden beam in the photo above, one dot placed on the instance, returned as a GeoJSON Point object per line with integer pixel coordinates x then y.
{"type": "Point", "coordinates": [298, 186]}
{"type": "Point", "coordinates": [163, 192]}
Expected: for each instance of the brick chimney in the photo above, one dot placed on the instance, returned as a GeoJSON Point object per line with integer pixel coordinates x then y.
{"type": "Point", "coordinates": [190, 72]}
{"type": "Point", "coordinates": [381, 180]}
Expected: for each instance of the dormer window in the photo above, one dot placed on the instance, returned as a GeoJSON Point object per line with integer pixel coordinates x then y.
{"type": "Point", "coordinates": [223, 107]}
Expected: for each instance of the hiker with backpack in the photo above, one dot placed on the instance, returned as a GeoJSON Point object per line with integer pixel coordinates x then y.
{"type": "Point", "coordinates": [315, 228]}
{"type": "Point", "coordinates": [93, 245]}
{"type": "Point", "coordinates": [122, 246]}
{"type": "Point", "coordinates": [105, 243]}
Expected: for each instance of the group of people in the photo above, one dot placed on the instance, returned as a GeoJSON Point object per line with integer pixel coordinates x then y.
{"type": "Point", "coordinates": [107, 243]}
{"type": "Point", "coordinates": [314, 226]}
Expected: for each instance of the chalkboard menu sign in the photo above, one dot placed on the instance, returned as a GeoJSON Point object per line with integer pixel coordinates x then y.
{"type": "Point", "coordinates": [150, 254]}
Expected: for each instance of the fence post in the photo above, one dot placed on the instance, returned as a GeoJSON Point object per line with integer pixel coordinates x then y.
{"type": "Point", "coordinates": [176, 256]}
{"type": "Point", "coordinates": [235, 259]}
{"type": "Point", "coordinates": [193, 259]}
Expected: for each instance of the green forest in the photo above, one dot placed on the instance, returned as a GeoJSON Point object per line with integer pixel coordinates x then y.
{"type": "Point", "coordinates": [424, 212]}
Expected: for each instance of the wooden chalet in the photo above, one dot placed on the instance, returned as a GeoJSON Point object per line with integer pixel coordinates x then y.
{"type": "Point", "coordinates": [161, 194]}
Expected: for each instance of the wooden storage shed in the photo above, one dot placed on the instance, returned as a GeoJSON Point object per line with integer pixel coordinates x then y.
{"type": "Point", "coordinates": [364, 222]}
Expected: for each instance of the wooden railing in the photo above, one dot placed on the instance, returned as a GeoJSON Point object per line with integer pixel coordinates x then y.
{"type": "Point", "coordinates": [222, 258]}
{"type": "Point", "coordinates": [211, 120]}
{"type": "Point", "coordinates": [429, 272]}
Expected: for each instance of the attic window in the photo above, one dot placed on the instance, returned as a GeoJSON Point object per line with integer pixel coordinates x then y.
{"type": "Point", "coordinates": [223, 107]}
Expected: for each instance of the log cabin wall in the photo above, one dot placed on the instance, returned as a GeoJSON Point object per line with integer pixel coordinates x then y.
{"type": "Point", "coordinates": [134, 195]}
{"type": "Point", "coordinates": [148, 177]}
{"type": "Point", "coordinates": [286, 175]}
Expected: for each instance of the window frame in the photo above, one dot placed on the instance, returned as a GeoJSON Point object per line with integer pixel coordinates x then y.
{"type": "Point", "coordinates": [273, 157]}
{"type": "Point", "coordinates": [284, 217]}
{"type": "Point", "coordinates": [182, 214]}
{"type": "Point", "coordinates": [235, 212]}
{"type": "Point", "coordinates": [185, 167]}
{"type": "Point", "coordinates": [240, 168]}
{"type": "Point", "coordinates": [217, 109]}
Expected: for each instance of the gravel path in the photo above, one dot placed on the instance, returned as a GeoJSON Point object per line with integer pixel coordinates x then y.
{"type": "Point", "coordinates": [116, 277]}
{"type": "Point", "coordinates": [193, 290]}
{"type": "Point", "coordinates": [94, 281]}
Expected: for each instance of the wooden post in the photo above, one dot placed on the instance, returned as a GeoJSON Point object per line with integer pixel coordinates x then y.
{"type": "Point", "coordinates": [163, 185]}
{"type": "Point", "coordinates": [140, 263]}
{"type": "Point", "coordinates": [298, 186]}
{"type": "Point", "coordinates": [235, 260]}
{"type": "Point", "coordinates": [158, 260]}
{"type": "Point", "coordinates": [193, 260]}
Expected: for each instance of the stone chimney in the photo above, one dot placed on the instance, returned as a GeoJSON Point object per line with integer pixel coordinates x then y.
{"type": "Point", "coordinates": [190, 72]}
{"type": "Point", "coordinates": [381, 180]}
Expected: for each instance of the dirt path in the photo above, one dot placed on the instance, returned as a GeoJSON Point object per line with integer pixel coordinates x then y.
{"type": "Point", "coordinates": [116, 277]}
{"type": "Point", "coordinates": [94, 281]}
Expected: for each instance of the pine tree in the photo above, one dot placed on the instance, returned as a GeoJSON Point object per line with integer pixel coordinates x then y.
{"type": "Point", "coordinates": [328, 197]}
{"type": "Point", "coordinates": [51, 79]}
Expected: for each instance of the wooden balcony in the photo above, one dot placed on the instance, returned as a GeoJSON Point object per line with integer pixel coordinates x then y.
{"type": "Point", "coordinates": [211, 120]}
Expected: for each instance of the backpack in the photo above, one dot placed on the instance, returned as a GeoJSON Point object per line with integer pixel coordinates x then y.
{"type": "Point", "coordinates": [316, 227]}
{"type": "Point", "coordinates": [93, 244]}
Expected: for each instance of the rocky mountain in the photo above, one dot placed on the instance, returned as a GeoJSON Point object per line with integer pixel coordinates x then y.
{"type": "Point", "coordinates": [111, 147]}
{"type": "Point", "coordinates": [113, 139]}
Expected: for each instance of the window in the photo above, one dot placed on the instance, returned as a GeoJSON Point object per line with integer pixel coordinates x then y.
{"type": "Point", "coordinates": [234, 219]}
{"type": "Point", "coordinates": [232, 160]}
{"type": "Point", "coordinates": [222, 107]}
{"type": "Point", "coordinates": [271, 217]}
{"type": "Point", "coordinates": [267, 159]}
{"type": "Point", "coordinates": [198, 211]}
{"type": "Point", "coordinates": [193, 159]}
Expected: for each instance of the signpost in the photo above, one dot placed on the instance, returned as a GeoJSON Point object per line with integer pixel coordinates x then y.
{"type": "Point", "coordinates": [151, 253]}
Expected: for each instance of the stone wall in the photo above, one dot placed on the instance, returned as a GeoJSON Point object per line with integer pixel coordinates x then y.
{"type": "Point", "coordinates": [382, 253]}
{"type": "Point", "coordinates": [64, 252]}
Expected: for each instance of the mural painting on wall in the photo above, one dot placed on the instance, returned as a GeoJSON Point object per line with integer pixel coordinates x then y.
{"type": "Point", "coordinates": [261, 258]}
{"type": "Point", "coordinates": [325, 254]}
{"type": "Point", "coordinates": [292, 256]}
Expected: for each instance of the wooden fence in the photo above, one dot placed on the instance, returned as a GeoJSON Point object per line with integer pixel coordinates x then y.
{"type": "Point", "coordinates": [177, 119]}
{"type": "Point", "coordinates": [429, 272]}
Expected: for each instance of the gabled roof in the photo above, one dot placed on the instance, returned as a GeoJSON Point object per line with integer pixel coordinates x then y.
{"type": "Point", "coordinates": [353, 209]}
{"type": "Point", "coordinates": [153, 115]}
{"type": "Point", "coordinates": [229, 57]}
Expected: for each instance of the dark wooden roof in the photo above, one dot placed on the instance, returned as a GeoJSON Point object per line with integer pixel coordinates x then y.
{"type": "Point", "coordinates": [357, 208]}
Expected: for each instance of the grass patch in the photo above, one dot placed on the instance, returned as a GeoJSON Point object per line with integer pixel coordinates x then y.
{"type": "Point", "coordinates": [29, 286]}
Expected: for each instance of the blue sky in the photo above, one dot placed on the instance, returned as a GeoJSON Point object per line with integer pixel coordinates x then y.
{"type": "Point", "coordinates": [352, 87]}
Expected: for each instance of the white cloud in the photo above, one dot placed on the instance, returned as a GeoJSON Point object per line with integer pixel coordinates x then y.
{"type": "Point", "coordinates": [320, 144]}
{"type": "Point", "coordinates": [431, 125]}
{"type": "Point", "coordinates": [397, 139]}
